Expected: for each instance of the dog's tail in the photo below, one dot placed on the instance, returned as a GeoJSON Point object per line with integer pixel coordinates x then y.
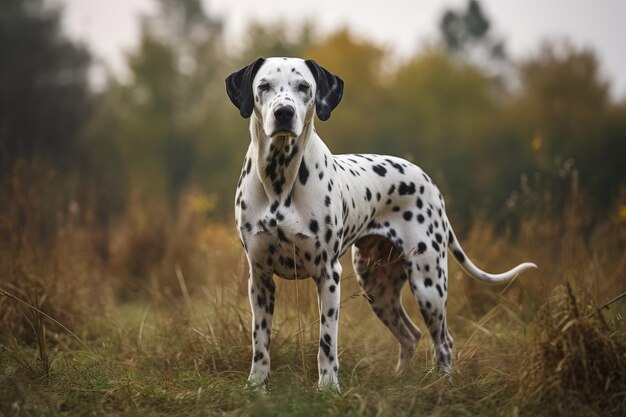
{"type": "Point", "coordinates": [469, 267]}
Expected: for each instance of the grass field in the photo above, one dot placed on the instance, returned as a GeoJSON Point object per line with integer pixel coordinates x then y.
{"type": "Point", "coordinates": [151, 318]}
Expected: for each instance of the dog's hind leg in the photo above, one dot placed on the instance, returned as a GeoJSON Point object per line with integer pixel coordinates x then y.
{"type": "Point", "coordinates": [380, 273]}
{"type": "Point", "coordinates": [428, 273]}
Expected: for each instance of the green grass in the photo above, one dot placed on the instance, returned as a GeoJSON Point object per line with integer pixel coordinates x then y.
{"type": "Point", "coordinates": [169, 371]}
{"type": "Point", "coordinates": [178, 359]}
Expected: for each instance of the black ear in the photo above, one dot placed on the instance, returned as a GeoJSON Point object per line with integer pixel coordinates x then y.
{"type": "Point", "coordinates": [239, 87]}
{"type": "Point", "coordinates": [329, 89]}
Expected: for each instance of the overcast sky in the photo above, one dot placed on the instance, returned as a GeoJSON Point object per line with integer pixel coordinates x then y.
{"type": "Point", "coordinates": [110, 27]}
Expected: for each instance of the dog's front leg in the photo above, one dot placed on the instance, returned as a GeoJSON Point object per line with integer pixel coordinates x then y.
{"type": "Point", "coordinates": [261, 290]}
{"type": "Point", "coordinates": [328, 290]}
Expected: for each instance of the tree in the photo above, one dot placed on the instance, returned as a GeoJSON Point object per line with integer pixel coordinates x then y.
{"type": "Point", "coordinates": [44, 92]}
{"type": "Point", "coordinates": [353, 126]}
{"type": "Point", "coordinates": [443, 113]}
{"type": "Point", "coordinates": [468, 34]}
{"type": "Point", "coordinates": [563, 111]}
{"type": "Point", "coordinates": [162, 119]}
{"type": "Point", "coordinates": [265, 40]}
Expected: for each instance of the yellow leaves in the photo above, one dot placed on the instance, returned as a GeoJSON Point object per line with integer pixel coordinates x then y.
{"type": "Point", "coordinates": [536, 143]}
{"type": "Point", "coordinates": [202, 203]}
{"type": "Point", "coordinates": [352, 59]}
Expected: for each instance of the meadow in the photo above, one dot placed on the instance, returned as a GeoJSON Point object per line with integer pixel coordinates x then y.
{"type": "Point", "coordinates": [123, 285]}
{"type": "Point", "coordinates": [151, 317]}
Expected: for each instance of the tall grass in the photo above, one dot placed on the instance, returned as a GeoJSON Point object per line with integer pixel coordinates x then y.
{"type": "Point", "coordinates": [158, 322]}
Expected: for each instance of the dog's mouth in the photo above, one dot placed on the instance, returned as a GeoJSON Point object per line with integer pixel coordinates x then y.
{"type": "Point", "coordinates": [283, 134]}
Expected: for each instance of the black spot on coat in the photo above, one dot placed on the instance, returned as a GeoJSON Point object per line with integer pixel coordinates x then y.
{"type": "Point", "coordinates": [303, 173]}
{"type": "Point", "coordinates": [405, 188]}
{"type": "Point", "coordinates": [380, 170]}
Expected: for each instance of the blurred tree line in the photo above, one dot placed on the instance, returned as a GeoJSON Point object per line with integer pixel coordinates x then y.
{"type": "Point", "coordinates": [494, 133]}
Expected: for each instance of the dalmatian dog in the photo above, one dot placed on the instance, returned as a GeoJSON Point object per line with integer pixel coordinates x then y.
{"type": "Point", "coordinates": [298, 208]}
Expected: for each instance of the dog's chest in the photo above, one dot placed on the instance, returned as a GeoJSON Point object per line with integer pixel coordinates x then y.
{"type": "Point", "coordinates": [297, 233]}
{"type": "Point", "coordinates": [284, 240]}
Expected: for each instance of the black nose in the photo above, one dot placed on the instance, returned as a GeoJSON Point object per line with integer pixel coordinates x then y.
{"type": "Point", "coordinates": [284, 113]}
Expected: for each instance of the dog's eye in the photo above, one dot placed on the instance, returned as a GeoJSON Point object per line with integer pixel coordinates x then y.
{"type": "Point", "coordinates": [264, 87]}
{"type": "Point", "coordinates": [304, 87]}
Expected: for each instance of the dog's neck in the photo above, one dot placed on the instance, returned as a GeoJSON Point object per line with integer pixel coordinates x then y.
{"type": "Point", "coordinates": [278, 159]}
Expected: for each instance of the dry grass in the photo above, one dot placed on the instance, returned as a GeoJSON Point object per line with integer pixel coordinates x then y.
{"type": "Point", "coordinates": [46, 255]}
{"type": "Point", "coordinates": [163, 321]}
{"type": "Point", "coordinates": [574, 352]}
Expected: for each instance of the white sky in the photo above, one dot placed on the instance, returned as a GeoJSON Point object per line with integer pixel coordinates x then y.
{"type": "Point", "coordinates": [111, 27]}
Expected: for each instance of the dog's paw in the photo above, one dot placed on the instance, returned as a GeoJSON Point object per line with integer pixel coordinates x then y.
{"type": "Point", "coordinates": [332, 390]}
{"type": "Point", "coordinates": [329, 383]}
{"type": "Point", "coordinates": [256, 384]}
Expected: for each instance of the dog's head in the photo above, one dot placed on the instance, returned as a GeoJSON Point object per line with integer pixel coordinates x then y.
{"type": "Point", "coordinates": [284, 93]}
